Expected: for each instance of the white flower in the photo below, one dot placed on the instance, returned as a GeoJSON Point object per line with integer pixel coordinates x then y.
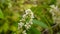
{"type": "Point", "coordinates": [24, 32]}
{"type": "Point", "coordinates": [28, 11]}
{"type": "Point", "coordinates": [53, 6]}
{"type": "Point", "coordinates": [24, 16]}
{"type": "Point", "coordinates": [27, 26]}
{"type": "Point", "coordinates": [31, 23]}
{"type": "Point", "coordinates": [32, 16]}
{"type": "Point", "coordinates": [20, 25]}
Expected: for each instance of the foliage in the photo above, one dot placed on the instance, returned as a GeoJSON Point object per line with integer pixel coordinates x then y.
{"type": "Point", "coordinates": [11, 12]}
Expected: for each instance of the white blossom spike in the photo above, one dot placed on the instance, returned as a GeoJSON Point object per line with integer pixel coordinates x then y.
{"type": "Point", "coordinates": [23, 22]}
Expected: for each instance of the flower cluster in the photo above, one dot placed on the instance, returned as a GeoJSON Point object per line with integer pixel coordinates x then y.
{"type": "Point", "coordinates": [55, 13]}
{"type": "Point", "coordinates": [26, 21]}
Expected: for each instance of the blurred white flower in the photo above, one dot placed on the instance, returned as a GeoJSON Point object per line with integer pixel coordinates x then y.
{"type": "Point", "coordinates": [28, 24]}
{"type": "Point", "coordinates": [53, 6]}
{"type": "Point", "coordinates": [28, 11]}
{"type": "Point", "coordinates": [32, 16]}
{"type": "Point", "coordinates": [24, 16]}
{"type": "Point", "coordinates": [24, 32]}
{"type": "Point", "coordinates": [20, 25]}
{"type": "Point", "coordinates": [55, 12]}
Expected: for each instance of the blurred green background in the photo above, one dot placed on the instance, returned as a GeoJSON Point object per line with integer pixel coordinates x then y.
{"type": "Point", "coordinates": [11, 12]}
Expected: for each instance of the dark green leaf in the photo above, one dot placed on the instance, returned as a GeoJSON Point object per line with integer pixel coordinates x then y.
{"type": "Point", "coordinates": [1, 14]}
{"type": "Point", "coordinates": [40, 23]}
{"type": "Point", "coordinates": [33, 31]}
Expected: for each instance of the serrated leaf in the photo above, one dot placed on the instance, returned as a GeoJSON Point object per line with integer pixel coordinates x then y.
{"type": "Point", "coordinates": [40, 23]}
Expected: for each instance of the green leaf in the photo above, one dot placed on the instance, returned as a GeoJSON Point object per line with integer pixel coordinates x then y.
{"type": "Point", "coordinates": [33, 31]}
{"type": "Point", "coordinates": [1, 14]}
{"type": "Point", "coordinates": [40, 23]}
{"type": "Point", "coordinates": [5, 27]}
{"type": "Point", "coordinates": [13, 28]}
{"type": "Point", "coordinates": [53, 2]}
